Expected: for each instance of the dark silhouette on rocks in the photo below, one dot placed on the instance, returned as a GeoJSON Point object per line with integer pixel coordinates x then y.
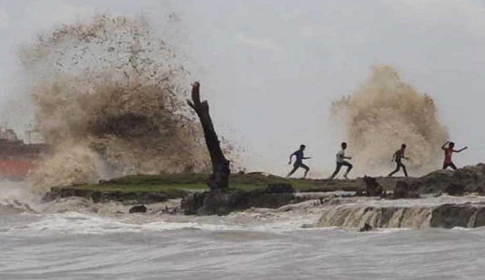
{"type": "Point", "coordinates": [373, 188]}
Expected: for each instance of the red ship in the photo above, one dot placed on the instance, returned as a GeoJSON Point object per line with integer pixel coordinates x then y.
{"type": "Point", "coordinates": [17, 158]}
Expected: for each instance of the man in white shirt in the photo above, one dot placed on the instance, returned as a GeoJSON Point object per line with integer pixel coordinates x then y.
{"type": "Point", "coordinates": [341, 161]}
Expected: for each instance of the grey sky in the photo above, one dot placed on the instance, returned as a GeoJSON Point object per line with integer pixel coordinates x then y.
{"type": "Point", "coordinates": [272, 68]}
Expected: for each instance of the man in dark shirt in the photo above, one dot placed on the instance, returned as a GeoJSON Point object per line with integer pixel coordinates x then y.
{"type": "Point", "coordinates": [398, 157]}
{"type": "Point", "coordinates": [299, 161]}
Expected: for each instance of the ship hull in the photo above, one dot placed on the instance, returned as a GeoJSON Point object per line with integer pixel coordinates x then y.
{"type": "Point", "coordinates": [15, 169]}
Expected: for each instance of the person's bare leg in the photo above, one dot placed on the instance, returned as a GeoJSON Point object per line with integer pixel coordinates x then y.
{"type": "Point", "coordinates": [292, 171]}
{"type": "Point", "coordinates": [337, 170]}
{"type": "Point", "coordinates": [307, 169]}
{"type": "Point", "coordinates": [350, 166]}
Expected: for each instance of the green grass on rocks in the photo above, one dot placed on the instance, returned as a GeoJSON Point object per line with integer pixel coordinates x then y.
{"type": "Point", "coordinates": [198, 182]}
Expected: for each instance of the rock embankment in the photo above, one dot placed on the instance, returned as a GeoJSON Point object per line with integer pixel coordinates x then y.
{"type": "Point", "coordinates": [470, 179]}
{"type": "Point", "coordinates": [100, 196]}
{"type": "Point", "coordinates": [428, 212]}
{"type": "Point", "coordinates": [223, 202]}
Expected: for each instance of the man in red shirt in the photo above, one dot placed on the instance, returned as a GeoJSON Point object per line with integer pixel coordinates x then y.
{"type": "Point", "coordinates": [449, 154]}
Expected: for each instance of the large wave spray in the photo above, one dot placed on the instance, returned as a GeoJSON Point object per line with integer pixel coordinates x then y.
{"type": "Point", "coordinates": [386, 112]}
{"type": "Point", "coordinates": [109, 95]}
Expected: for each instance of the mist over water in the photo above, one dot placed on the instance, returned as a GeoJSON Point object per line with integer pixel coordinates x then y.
{"type": "Point", "coordinates": [385, 112]}
{"type": "Point", "coordinates": [110, 98]}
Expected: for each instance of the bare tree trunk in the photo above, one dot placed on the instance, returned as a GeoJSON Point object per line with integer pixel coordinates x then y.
{"type": "Point", "coordinates": [220, 165]}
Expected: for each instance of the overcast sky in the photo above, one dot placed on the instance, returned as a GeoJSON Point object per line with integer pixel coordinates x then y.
{"type": "Point", "coordinates": [272, 68]}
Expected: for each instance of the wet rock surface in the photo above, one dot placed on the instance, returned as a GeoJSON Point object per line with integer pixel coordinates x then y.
{"type": "Point", "coordinates": [455, 190]}
{"type": "Point", "coordinates": [404, 190]}
{"type": "Point", "coordinates": [451, 215]}
{"type": "Point", "coordinates": [223, 202]}
{"type": "Point", "coordinates": [373, 188]}
{"type": "Point", "coordinates": [470, 177]}
{"type": "Point", "coordinates": [365, 228]}
{"type": "Point", "coordinates": [138, 209]}
{"type": "Point", "coordinates": [106, 196]}
{"type": "Point", "coordinates": [431, 212]}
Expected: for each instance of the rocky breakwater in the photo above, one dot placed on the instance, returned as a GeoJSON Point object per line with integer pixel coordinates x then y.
{"type": "Point", "coordinates": [470, 178]}
{"type": "Point", "coordinates": [444, 199]}
{"type": "Point", "coordinates": [442, 212]}
{"type": "Point", "coordinates": [223, 202]}
{"type": "Point", "coordinates": [133, 189]}
{"type": "Point", "coordinates": [100, 196]}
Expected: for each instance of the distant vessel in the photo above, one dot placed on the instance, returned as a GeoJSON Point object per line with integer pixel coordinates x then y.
{"type": "Point", "coordinates": [17, 158]}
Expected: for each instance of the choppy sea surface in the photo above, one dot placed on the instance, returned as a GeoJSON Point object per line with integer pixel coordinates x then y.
{"type": "Point", "coordinates": [75, 239]}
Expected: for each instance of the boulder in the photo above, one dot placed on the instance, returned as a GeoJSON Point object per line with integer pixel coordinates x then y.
{"type": "Point", "coordinates": [403, 190]}
{"type": "Point", "coordinates": [455, 190]}
{"type": "Point", "coordinates": [138, 209]}
{"type": "Point", "coordinates": [192, 203]}
{"type": "Point", "coordinates": [469, 177]}
{"type": "Point", "coordinates": [223, 202]}
{"type": "Point", "coordinates": [452, 215]}
{"type": "Point", "coordinates": [365, 228]}
{"type": "Point", "coordinates": [373, 188]}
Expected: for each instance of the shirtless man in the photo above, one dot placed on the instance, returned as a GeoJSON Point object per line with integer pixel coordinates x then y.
{"type": "Point", "coordinates": [341, 161]}
{"type": "Point", "coordinates": [299, 161]}
{"type": "Point", "coordinates": [398, 157]}
{"type": "Point", "coordinates": [449, 154]}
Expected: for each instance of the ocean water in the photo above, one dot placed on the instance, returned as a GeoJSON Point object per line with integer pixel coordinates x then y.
{"type": "Point", "coordinates": [75, 239]}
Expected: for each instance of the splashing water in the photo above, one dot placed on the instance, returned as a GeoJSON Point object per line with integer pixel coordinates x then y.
{"type": "Point", "coordinates": [386, 112]}
{"type": "Point", "coordinates": [109, 97]}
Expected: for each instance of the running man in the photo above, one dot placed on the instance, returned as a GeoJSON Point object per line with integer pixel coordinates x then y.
{"type": "Point", "coordinates": [449, 154]}
{"type": "Point", "coordinates": [299, 161]}
{"type": "Point", "coordinates": [341, 161]}
{"type": "Point", "coordinates": [398, 157]}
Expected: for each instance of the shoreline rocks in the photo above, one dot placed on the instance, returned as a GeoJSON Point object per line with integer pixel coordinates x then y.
{"type": "Point", "coordinates": [470, 177]}
{"type": "Point", "coordinates": [455, 190]}
{"type": "Point", "coordinates": [223, 202]}
{"type": "Point", "coordinates": [387, 202]}
{"type": "Point", "coordinates": [404, 190]}
{"type": "Point", "coordinates": [106, 195]}
{"type": "Point", "coordinates": [138, 209]}
{"type": "Point", "coordinates": [348, 213]}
